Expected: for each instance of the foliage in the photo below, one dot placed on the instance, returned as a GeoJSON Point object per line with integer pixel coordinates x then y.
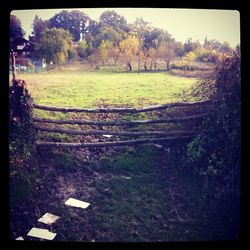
{"type": "Point", "coordinates": [53, 46]}
{"type": "Point", "coordinates": [16, 29]}
{"type": "Point", "coordinates": [82, 49]}
{"type": "Point", "coordinates": [167, 53]}
{"type": "Point", "coordinates": [39, 26]}
{"type": "Point", "coordinates": [202, 54]}
{"type": "Point", "coordinates": [130, 47]}
{"type": "Point", "coordinates": [191, 45]}
{"type": "Point", "coordinates": [116, 21]}
{"type": "Point", "coordinates": [104, 48]}
{"type": "Point", "coordinates": [21, 139]}
{"type": "Point", "coordinates": [215, 153]}
{"type": "Point", "coordinates": [72, 53]}
{"type": "Point", "coordinates": [73, 21]}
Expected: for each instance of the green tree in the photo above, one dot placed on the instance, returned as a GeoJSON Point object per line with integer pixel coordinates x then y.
{"type": "Point", "coordinates": [188, 58]}
{"type": "Point", "coordinates": [191, 45]}
{"type": "Point", "coordinates": [225, 48]}
{"type": "Point", "coordinates": [74, 21]}
{"type": "Point", "coordinates": [104, 49]}
{"type": "Point", "coordinates": [140, 29]}
{"type": "Point", "coordinates": [16, 29]}
{"type": "Point", "coordinates": [116, 21]}
{"type": "Point", "coordinates": [38, 26]}
{"type": "Point", "coordinates": [54, 45]}
{"type": "Point", "coordinates": [82, 49]}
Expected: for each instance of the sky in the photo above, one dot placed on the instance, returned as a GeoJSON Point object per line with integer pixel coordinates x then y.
{"type": "Point", "coordinates": [222, 25]}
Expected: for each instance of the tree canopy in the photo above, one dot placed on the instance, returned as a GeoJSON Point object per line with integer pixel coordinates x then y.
{"type": "Point", "coordinates": [16, 29]}
{"type": "Point", "coordinates": [54, 45]}
{"type": "Point", "coordinates": [74, 21]}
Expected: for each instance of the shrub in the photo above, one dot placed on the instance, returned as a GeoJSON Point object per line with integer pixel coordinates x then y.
{"type": "Point", "coordinates": [215, 153]}
{"type": "Point", "coordinates": [72, 54]}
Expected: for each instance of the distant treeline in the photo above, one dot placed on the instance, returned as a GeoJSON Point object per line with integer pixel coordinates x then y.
{"type": "Point", "coordinates": [74, 35]}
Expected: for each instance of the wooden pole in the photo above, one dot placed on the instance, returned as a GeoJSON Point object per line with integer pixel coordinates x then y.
{"type": "Point", "coordinates": [122, 122]}
{"type": "Point", "coordinates": [13, 65]}
{"type": "Point", "coordinates": [112, 143]}
{"type": "Point", "coordinates": [109, 132]}
{"type": "Point", "coordinates": [122, 110]}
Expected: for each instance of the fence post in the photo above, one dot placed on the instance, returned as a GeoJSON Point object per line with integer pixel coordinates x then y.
{"type": "Point", "coordinates": [13, 65]}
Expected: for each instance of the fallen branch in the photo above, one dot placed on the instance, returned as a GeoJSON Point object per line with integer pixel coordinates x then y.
{"type": "Point", "coordinates": [110, 144]}
{"type": "Point", "coordinates": [109, 132]}
{"type": "Point", "coordinates": [120, 123]}
{"type": "Point", "coordinates": [121, 110]}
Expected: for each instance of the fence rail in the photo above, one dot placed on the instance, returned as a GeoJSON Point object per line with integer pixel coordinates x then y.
{"type": "Point", "coordinates": [110, 132]}
{"type": "Point", "coordinates": [121, 122]}
{"type": "Point", "coordinates": [169, 136]}
{"type": "Point", "coordinates": [113, 143]}
{"type": "Point", "coordinates": [122, 110]}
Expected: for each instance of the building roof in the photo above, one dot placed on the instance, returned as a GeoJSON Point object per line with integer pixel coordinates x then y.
{"type": "Point", "coordinates": [21, 44]}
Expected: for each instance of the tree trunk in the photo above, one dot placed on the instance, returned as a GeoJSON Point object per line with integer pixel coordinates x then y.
{"type": "Point", "coordinates": [168, 66]}
{"type": "Point", "coordinates": [129, 66]}
{"type": "Point", "coordinates": [139, 62]}
{"type": "Point", "coordinates": [145, 66]}
{"type": "Point", "coordinates": [151, 65]}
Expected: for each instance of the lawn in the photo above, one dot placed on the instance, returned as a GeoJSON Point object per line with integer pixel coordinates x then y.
{"type": "Point", "coordinates": [85, 88]}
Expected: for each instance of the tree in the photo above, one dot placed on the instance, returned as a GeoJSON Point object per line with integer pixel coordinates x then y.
{"type": "Point", "coordinates": [16, 29]}
{"type": "Point", "coordinates": [179, 49]}
{"type": "Point", "coordinates": [130, 47]}
{"type": "Point", "coordinates": [140, 28]}
{"type": "Point", "coordinates": [54, 45]}
{"type": "Point", "coordinates": [74, 21]}
{"type": "Point", "coordinates": [152, 42]}
{"type": "Point", "coordinates": [211, 44]}
{"type": "Point", "coordinates": [190, 56]}
{"type": "Point", "coordinates": [191, 45]}
{"type": "Point", "coordinates": [38, 26]}
{"type": "Point", "coordinates": [103, 50]}
{"type": "Point", "coordinates": [225, 48]}
{"type": "Point", "coordinates": [114, 52]}
{"type": "Point", "coordinates": [82, 49]}
{"type": "Point", "coordinates": [116, 21]}
{"type": "Point", "coordinates": [167, 52]}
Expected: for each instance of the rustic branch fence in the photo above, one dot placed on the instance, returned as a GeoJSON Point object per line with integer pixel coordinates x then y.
{"type": "Point", "coordinates": [168, 136]}
{"type": "Point", "coordinates": [17, 109]}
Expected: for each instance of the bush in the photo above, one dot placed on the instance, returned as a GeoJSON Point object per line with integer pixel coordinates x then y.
{"type": "Point", "coordinates": [21, 139]}
{"type": "Point", "coordinates": [72, 54]}
{"type": "Point", "coordinates": [215, 153]}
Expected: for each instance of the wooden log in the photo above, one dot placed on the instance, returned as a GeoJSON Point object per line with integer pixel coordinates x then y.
{"type": "Point", "coordinates": [13, 65]}
{"type": "Point", "coordinates": [120, 123]}
{"type": "Point", "coordinates": [111, 144]}
{"type": "Point", "coordinates": [121, 110]}
{"type": "Point", "coordinates": [109, 132]}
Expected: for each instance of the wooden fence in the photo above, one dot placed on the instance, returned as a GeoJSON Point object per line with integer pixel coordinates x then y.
{"type": "Point", "coordinates": [159, 135]}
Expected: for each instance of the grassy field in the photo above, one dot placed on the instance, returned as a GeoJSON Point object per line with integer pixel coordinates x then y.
{"type": "Point", "coordinates": [74, 87]}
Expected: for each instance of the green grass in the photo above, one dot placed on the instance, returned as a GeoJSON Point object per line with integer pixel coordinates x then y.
{"type": "Point", "coordinates": [81, 88]}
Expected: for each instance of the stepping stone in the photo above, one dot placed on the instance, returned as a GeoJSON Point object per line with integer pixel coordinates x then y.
{"type": "Point", "coordinates": [41, 233]}
{"type": "Point", "coordinates": [20, 238]}
{"type": "Point", "coordinates": [48, 218]}
{"type": "Point", "coordinates": [77, 203]}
